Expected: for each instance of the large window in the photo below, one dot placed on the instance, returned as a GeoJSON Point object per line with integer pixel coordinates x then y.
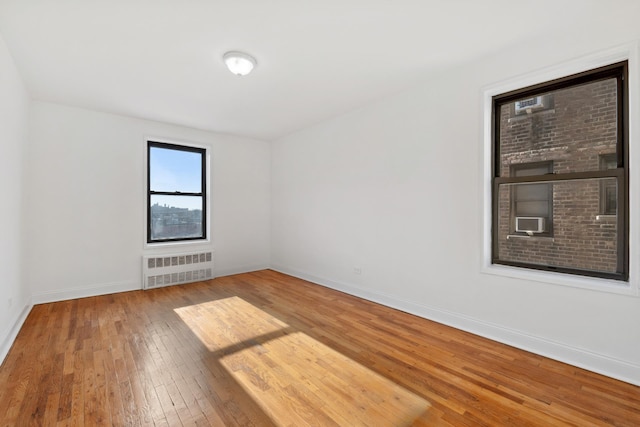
{"type": "Point", "coordinates": [176, 197]}
{"type": "Point", "coordinates": [560, 175]}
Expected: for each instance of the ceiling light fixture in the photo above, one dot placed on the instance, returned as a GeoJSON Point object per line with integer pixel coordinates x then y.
{"type": "Point", "coordinates": [239, 63]}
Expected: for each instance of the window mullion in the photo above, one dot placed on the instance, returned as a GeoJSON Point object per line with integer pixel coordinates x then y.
{"type": "Point", "coordinates": [622, 226]}
{"type": "Point", "coordinates": [174, 193]}
{"type": "Point", "coordinates": [561, 177]}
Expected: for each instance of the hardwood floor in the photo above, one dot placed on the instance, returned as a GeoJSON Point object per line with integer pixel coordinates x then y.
{"type": "Point", "coordinates": [266, 349]}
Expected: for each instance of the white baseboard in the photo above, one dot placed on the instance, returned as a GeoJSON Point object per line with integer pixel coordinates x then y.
{"type": "Point", "coordinates": [239, 270]}
{"type": "Point", "coordinates": [605, 365]}
{"type": "Point", "coordinates": [9, 335]}
{"type": "Point", "coordinates": [86, 291]}
{"type": "Point", "coordinates": [112, 288]}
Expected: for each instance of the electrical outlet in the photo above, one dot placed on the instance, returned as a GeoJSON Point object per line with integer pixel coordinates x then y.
{"type": "Point", "coordinates": [10, 302]}
{"type": "Point", "coordinates": [357, 270]}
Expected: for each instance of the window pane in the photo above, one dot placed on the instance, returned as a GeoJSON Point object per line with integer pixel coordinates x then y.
{"type": "Point", "coordinates": [532, 208]}
{"type": "Point", "coordinates": [531, 170]}
{"type": "Point", "coordinates": [582, 238]}
{"type": "Point", "coordinates": [175, 170]}
{"type": "Point", "coordinates": [532, 192]}
{"type": "Point", "coordinates": [532, 199]}
{"type": "Point", "coordinates": [608, 190]}
{"type": "Point", "coordinates": [609, 199]}
{"type": "Point", "coordinates": [570, 126]}
{"type": "Point", "coordinates": [176, 217]}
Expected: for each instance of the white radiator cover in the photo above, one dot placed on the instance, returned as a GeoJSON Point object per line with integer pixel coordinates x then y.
{"type": "Point", "coordinates": [174, 269]}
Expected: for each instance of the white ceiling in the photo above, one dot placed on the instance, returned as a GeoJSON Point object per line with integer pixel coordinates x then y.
{"type": "Point", "coordinates": [162, 59]}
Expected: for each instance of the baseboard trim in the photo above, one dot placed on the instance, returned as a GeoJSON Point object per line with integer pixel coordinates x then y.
{"type": "Point", "coordinates": [11, 333]}
{"type": "Point", "coordinates": [84, 292]}
{"type": "Point", "coordinates": [115, 287]}
{"type": "Point", "coordinates": [239, 270]}
{"type": "Point", "coordinates": [595, 362]}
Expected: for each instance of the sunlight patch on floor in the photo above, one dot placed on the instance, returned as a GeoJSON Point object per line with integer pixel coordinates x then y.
{"type": "Point", "coordinates": [295, 379]}
{"type": "Point", "coordinates": [229, 322]}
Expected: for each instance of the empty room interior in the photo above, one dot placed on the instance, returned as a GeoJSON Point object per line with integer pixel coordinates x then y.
{"type": "Point", "coordinates": [320, 213]}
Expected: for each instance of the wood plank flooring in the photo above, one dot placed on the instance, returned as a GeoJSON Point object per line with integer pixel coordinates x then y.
{"type": "Point", "coordinates": [266, 349]}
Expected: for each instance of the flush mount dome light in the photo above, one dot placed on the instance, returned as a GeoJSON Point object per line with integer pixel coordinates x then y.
{"type": "Point", "coordinates": [239, 63]}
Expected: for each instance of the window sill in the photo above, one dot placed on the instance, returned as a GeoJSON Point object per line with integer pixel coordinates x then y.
{"type": "Point", "coordinates": [177, 244]}
{"type": "Point", "coordinates": [607, 218]}
{"type": "Point", "coordinates": [532, 238]}
{"type": "Point", "coordinates": [563, 279]}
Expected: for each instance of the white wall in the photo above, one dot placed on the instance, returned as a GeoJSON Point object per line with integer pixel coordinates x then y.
{"type": "Point", "coordinates": [86, 201]}
{"type": "Point", "coordinates": [395, 189]}
{"type": "Point", "coordinates": [14, 106]}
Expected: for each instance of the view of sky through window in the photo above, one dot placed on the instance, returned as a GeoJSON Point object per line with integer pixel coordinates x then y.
{"type": "Point", "coordinates": [173, 170]}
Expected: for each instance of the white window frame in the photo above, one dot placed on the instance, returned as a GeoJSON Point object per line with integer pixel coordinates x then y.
{"type": "Point", "coordinates": [189, 243]}
{"type": "Point", "coordinates": [628, 52]}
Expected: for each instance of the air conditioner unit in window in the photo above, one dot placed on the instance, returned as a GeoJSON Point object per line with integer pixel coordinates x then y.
{"type": "Point", "coordinates": [529, 224]}
{"type": "Point", "coordinates": [525, 106]}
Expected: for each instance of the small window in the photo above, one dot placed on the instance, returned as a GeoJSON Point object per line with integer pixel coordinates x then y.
{"type": "Point", "coordinates": [551, 184]}
{"type": "Point", "coordinates": [532, 203]}
{"type": "Point", "coordinates": [176, 197]}
{"type": "Point", "coordinates": [533, 104]}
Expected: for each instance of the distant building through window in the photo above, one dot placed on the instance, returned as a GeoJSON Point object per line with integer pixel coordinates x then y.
{"type": "Point", "coordinates": [176, 197]}
{"type": "Point", "coordinates": [560, 175]}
